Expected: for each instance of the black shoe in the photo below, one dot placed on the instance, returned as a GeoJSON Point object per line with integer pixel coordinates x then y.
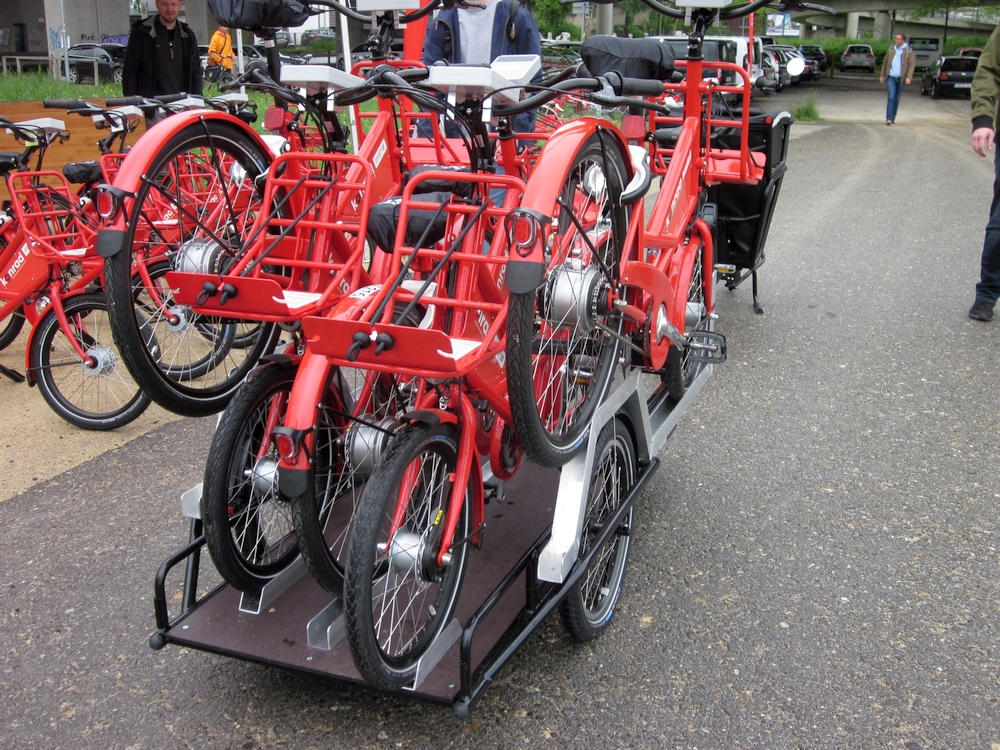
{"type": "Point", "coordinates": [981, 310]}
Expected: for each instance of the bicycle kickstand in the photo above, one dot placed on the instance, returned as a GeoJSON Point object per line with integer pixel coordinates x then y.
{"type": "Point", "coordinates": [12, 374]}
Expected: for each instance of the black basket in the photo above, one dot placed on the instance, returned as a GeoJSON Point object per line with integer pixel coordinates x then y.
{"type": "Point", "coordinates": [745, 211]}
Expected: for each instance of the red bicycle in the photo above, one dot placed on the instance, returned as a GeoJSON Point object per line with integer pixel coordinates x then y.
{"type": "Point", "coordinates": [51, 277]}
{"type": "Point", "coordinates": [595, 290]}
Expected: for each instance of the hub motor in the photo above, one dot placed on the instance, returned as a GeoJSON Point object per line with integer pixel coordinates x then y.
{"type": "Point", "coordinates": [200, 255]}
{"type": "Point", "coordinates": [573, 298]}
{"type": "Point", "coordinates": [366, 444]}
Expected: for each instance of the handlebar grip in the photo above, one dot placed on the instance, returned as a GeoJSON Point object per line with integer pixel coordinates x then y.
{"type": "Point", "coordinates": [169, 98]}
{"type": "Point", "coordinates": [64, 104]}
{"type": "Point", "coordinates": [414, 74]}
{"type": "Point", "coordinates": [641, 87]}
{"type": "Point", "coordinates": [124, 101]}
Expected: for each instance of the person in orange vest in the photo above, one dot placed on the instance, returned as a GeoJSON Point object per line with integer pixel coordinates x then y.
{"type": "Point", "coordinates": [220, 56]}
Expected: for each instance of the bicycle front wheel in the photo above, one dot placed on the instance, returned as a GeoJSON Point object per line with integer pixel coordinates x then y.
{"type": "Point", "coordinates": [194, 211]}
{"type": "Point", "coordinates": [562, 345]}
{"type": "Point", "coordinates": [397, 599]}
{"type": "Point", "coordinates": [98, 394]}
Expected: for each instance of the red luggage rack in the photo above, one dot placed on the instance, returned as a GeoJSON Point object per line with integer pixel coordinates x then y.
{"type": "Point", "coordinates": [514, 582]}
{"type": "Point", "coordinates": [300, 261]}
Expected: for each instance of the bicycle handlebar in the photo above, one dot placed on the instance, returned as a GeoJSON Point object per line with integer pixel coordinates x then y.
{"type": "Point", "coordinates": [66, 104]}
{"type": "Point", "coordinates": [144, 103]}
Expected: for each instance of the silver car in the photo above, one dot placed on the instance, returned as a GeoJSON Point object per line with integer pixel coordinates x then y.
{"type": "Point", "coordinates": [858, 56]}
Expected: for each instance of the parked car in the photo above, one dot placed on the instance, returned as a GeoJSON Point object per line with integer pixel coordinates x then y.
{"type": "Point", "coordinates": [858, 56]}
{"type": "Point", "coordinates": [775, 69]}
{"type": "Point", "coordinates": [559, 55]}
{"type": "Point", "coordinates": [258, 52]}
{"type": "Point", "coordinates": [317, 36]}
{"type": "Point", "coordinates": [785, 54]}
{"type": "Point", "coordinates": [968, 52]}
{"type": "Point", "coordinates": [817, 55]}
{"type": "Point", "coordinates": [712, 50]}
{"type": "Point", "coordinates": [360, 52]}
{"type": "Point", "coordinates": [949, 75]}
{"type": "Point", "coordinates": [110, 62]}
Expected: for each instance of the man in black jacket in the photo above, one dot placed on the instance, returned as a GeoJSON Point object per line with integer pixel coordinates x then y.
{"type": "Point", "coordinates": [162, 56]}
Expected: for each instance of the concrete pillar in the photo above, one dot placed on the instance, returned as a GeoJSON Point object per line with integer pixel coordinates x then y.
{"type": "Point", "coordinates": [605, 24]}
{"type": "Point", "coordinates": [198, 17]}
{"type": "Point", "coordinates": [882, 25]}
{"type": "Point", "coordinates": [806, 31]}
{"type": "Point", "coordinates": [851, 29]}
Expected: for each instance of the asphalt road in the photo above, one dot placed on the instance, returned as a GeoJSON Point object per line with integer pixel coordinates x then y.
{"type": "Point", "coordinates": [814, 565]}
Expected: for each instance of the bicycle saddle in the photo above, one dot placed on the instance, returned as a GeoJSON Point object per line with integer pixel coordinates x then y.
{"type": "Point", "coordinates": [83, 172]}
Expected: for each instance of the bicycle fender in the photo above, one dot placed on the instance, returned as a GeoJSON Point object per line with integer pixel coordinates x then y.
{"type": "Point", "coordinates": [146, 149]}
{"type": "Point", "coordinates": [430, 417]}
{"type": "Point", "coordinates": [136, 164]}
{"type": "Point", "coordinates": [525, 271]}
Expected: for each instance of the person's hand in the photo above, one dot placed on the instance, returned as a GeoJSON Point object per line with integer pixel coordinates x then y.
{"type": "Point", "coordinates": [982, 140]}
{"type": "Point", "coordinates": [882, 79]}
{"type": "Point", "coordinates": [907, 81]}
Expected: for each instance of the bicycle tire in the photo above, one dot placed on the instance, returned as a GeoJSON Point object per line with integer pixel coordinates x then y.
{"type": "Point", "coordinates": [681, 369]}
{"type": "Point", "coordinates": [558, 371]}
{"type": "Point", "coordinates": [216, 163]}
{"type": "Point", "coordinates": [590, 604]}
{"type": "Point", "coordinates": [248, 524]}
{"type": "Point", "coordinates": [324, 513]}
{"type": "Point", "coordinates": [10, 328]}
{"type": "Point", "coordinates": [391, 584]}
{"type": "Point", "coordinates": [98, 397]}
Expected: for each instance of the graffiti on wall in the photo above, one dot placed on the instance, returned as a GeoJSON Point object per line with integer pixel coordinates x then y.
{"type": "Point", "coordinates": [55, 38]}
{"type": "Point", "coordinates": [115, 38]}
{"type": "Point", "coordinates": [88, 37]}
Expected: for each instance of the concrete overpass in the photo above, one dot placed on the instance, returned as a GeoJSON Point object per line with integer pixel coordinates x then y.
{"type": "Point", "coordinates": [857, 18]}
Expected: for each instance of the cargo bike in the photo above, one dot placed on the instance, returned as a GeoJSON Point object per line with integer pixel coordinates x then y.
{"type": "Point", "coordinates": [584, 356]}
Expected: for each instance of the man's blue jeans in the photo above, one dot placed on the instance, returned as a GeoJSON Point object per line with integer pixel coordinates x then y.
{"type": "Point", "coordinates": [988, 287]}
{"type": "Point", "coordinates": [895, 85]}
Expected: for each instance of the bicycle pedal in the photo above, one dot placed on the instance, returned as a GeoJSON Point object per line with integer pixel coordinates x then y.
{"type": "Point", "coordinates": [707, 347]}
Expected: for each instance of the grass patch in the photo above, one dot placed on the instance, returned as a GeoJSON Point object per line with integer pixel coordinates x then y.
{"type": "Point", "coordinates": [805, 110]}
{"type": "Point", "coordinates": [33, 87]}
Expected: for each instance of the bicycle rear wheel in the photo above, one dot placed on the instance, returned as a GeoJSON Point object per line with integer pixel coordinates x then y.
{"type": "Point", "coordinates": [96, 395]}
{"type": "Point", "coordinates": [193, 213]}
{"type": "Point", "coordinates": [589, 606]}
{"type": "Point", "coordinates": [681, 368]}
{"type": "Point", "coordinates": [562, 345]}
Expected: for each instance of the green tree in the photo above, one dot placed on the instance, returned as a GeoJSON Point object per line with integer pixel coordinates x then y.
{"type": "Point", "coordinates": [550, 15]}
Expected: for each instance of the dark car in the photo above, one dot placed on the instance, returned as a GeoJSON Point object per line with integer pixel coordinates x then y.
{"type": "Point", "coordinates": [258, 52]}
{"type": "Point", "coordinates": [109, 59]}
{"type": "Point", "coordinates": [559, 55]}
{"type": "Point", "coordinates": [318, 36]}
{"type": "Point", "coordinates": [360, 52]}
{"type": "Point", "coordinates": [949, 75]}
{"type": "Point", "coordinates": [816, 54]}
